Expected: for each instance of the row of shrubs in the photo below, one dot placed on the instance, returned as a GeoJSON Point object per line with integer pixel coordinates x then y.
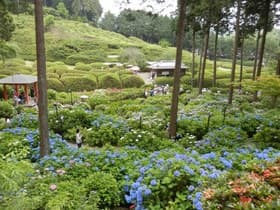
{"type": "Point", "coordinates": [82, 83]}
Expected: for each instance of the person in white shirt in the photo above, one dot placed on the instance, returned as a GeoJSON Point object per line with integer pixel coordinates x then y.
{"type": "Point", "coordinates": [79, 138]}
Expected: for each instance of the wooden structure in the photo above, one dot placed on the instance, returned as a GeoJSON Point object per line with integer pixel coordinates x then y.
{"type": "Point", "coordinates": [165, 68]}
{"type": "Point", "coordinates": [18, 81]}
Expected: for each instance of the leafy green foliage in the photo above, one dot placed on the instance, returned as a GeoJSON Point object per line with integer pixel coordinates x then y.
{"type": "Point", "coordinates": [78, 83]}
{"type": "Point", "coordinates": [105, 131]}
{"type": "Point", "coordinates": [164, 80]}
{"type": "Point", "coordinates": [61, 9]}
{"type": "Point", "coordinates": [62, 119]}
{"type": "Point", "coordinates": [12, 148]}
{"type": "Point", "coordinates": [6, 51]}
{"type": "Point", "coordinates": [55, 84]}
{"type": "Point", "coordinates": [268, 132]}
{"type": "Point", "coordinates": [106, 188]}
{"type": "Point", "coordinates": [6, 110]}
{"type": "Point", "coordinates": [109, 81]}
{"type": "Point", "coordinates": [13, 176]}
{"type": "Point", "coordinates": [6, 22]}
{"type": "Point", "coordinates": [132, 81]}
{"type": "Point", "coordinates": [49, 22]}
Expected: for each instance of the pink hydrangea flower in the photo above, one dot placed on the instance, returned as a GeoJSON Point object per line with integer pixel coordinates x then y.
{"type": "Point", "coordinates": [60, 171]}
{"type": "Point", "coordinates": [53, 187]}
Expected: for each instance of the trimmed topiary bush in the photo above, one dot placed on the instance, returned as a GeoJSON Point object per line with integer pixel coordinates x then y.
{"type": "Point", "coordinates": [58, 69]}
{"type": "Point", "coordinates": [164, 80]}
{"type": "Point", "coordinates": [52, 75]}
{"type": "Point", "coordinates": [83, 67]}
{"type": "Point", "coordinates": [132, 81]}
{"type": "Point", "coordinates": [55, 84]}
{"type": "Point", "coordinates": [109, 81]}
{"type": "Point", "coordinates": [79, 83]}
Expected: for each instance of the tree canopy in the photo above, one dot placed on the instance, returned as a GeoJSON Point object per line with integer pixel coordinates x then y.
{"type": "Point", "coordinates": [6, 22]}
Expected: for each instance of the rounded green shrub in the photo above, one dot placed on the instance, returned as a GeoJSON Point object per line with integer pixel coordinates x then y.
{"type": "Point", "coordinates": [55, 84]}
{"type": "Point", "coordinates": [79, 83]}
{"type": "Point", "coordinates": [106, 188]}
{"type": "Point", "coordinates": [51, 94]}
{"type": "Point", "coordinates": [72, 74]}
{"type": "Point", "coordinates": [97, 65]}
{"type": "Point", "coordinates": [164, 80]}
{"type": "Point", "coordinates": [97, 100]}
{"type": "Point", "coordinates": [82, 66]}
{"type": "Point", "coordinates": [52, 75]}
{"type": "Point", "coordinates": [49, 22]}
{"type": "Point", "coordinates": [58, 69]}
{"type": "Point", "coordinates": [6, 110]}
{"type": "Point", "coordinates": [132, 81]}
{"type": "Point", "coordinates": [109, 81]}
{"type": "Point", "coordinates": [186, 81]}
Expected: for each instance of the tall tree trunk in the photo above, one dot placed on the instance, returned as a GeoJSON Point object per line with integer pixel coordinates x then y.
{"type": "Point", "coordinates": [42, 82]}
{"type": "Point", "coordinates": [262, 44]}
{"type": "Point", "coordinates": [263, 37]}
{"type": "Point", "coordinates": [241, 61]}
{"type": "Point", "coordinates": [234, 56]}
{"type": "Point", "coordinates": [215, 57]}
{"type": "Point", "coordinates": [193, 56]}
{"type": "Point", "coordinates": [206, 41]}
{"type": "Point", "coordinates": [256, 55]}
{"type": "Point", "coordinates": [278, 65]}
{"type": "Point", "coordinates": [182, 4]}
{"type": "Point", "coordinates": [200, 62]}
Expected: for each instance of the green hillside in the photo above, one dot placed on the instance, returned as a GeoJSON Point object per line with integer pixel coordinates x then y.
{"type": "Point", "coordinates": [72, 42]}
{"type": "Point", "coordinates": [77, 53]}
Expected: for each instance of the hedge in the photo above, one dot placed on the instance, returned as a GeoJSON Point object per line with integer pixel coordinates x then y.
{"type": "Point", "coordinates": [55, 84]}
{"type": "Point", "coordinates": [164, 80]}
{"type": "Point", "coordinates": [132, 81]}
{"type": "Point", "coordinates": [83, 66]}
{"type": "Point", "coordinates": [79, 83]}
{"type": "Point", "coordinates": [109, 81]}
{"type": "Point", "coordinates": [52, 75]}
{"type": "Point", "coordinates": [86, 57]}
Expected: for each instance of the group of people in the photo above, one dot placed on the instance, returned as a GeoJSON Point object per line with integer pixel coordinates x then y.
{"type": "Point", "coordinates": [20, 99]}
{"type": "Point", "coordinates": [157, 90]}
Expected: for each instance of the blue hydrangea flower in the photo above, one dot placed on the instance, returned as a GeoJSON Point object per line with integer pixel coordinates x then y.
{"type": "Point", "coordinates": [153, 182]}
{"type": "Point", "coordinates": [176, 173]}
{"type": "Point", "coordinates": [191, 188]}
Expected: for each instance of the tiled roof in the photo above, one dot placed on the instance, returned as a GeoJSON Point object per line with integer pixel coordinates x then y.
{"type": "Point", "coordinates": [164, 65]}
{"type": "Point", "coordinates": [19, 79]}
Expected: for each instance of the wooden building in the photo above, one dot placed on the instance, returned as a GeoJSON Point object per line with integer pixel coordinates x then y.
{"type": "Point", "coordinates": [164, 68]}
{"type": "Point", "coordinates": [18, 81]}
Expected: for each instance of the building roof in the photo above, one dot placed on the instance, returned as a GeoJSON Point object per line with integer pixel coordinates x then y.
{"type": "Point", "coordinates": [19, 79]}
{"type": "Point", "coordinates": [164, 65]}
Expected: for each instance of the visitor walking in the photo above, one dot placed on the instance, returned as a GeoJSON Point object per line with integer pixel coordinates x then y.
{"type": "Point", "coordinates": [78, 138]}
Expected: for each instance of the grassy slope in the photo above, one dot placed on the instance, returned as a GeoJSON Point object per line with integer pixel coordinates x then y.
{"type": "Point", "coordinates": [82, 37]}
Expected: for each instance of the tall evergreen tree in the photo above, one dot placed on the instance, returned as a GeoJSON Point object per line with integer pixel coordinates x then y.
{"type": "Point", "coordinates": [235, 49]}
{"type": "Point", "coordinates": [42, 81]}
{"type": "Point", "coordinates": [182, 4]}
